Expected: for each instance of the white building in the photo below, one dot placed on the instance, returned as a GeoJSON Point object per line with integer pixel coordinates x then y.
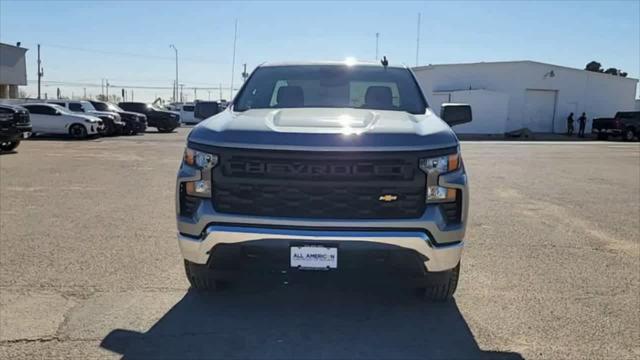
{"type": "Point", "coordinates": [511, 95]}
{"type": "Point", "coordinates": [13, 70]}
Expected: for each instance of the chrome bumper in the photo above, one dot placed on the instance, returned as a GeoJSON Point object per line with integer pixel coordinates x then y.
{"type": "Point", "coordinates": [437, 258]}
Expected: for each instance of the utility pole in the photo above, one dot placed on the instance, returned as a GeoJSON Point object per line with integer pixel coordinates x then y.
{"type": "Point", "coordinates": [220, 91]}
{"type": "Point", "coordinates": [102, 87]}
{"type": "Point", "coordinates": [233, 61]}
{"type": "Point", "coordinates": [176, 52]}
{"type": "Point", "coordinates": [107, 86]}
{"type": "Point", "coordinates": [377, 40]}
{"type": "Point", "coordinates": [40, 71]}
{"type": "Point", "coordinates": [209, 95]}
{"type": "Point", "coordinates": [418, 42]}
{"type": "Point", "coordinates": [85, 93]}
{"type": "Point", "coordinates": [131, 94]}
{"type": "Point", "coordinates": [181, 88]}
{"type": "Point", "coordinates": [195, 93]}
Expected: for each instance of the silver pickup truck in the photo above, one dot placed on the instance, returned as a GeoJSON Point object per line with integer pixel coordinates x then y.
{"type": "Point", "coordinates": [325, 166]}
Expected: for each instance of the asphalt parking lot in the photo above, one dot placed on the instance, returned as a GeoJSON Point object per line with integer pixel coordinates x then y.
{"type": "Point", "coordinates": [90, 268]}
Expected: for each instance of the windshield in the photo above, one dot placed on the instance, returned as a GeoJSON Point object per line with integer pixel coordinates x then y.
{"type": "Point", "coordinates": [60, 108]}
{"type": "Point", "coordinates": [332, 86]}
{"type": "Point", "coordinates": [87, 106]}
{"type": "Point", "coordinates": [113, 107]}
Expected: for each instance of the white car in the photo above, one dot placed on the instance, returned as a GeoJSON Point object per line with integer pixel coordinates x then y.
{"type": "Point", "coordinates": [54, 119]}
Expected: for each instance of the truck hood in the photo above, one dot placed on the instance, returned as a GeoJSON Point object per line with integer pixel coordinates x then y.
{"type": "Point", "coordinates": [325, 129]}
{"type": "Point", "coordinates": [91, 118]}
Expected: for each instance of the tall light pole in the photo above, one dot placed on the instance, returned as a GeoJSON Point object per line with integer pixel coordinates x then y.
{"type": "Point", "coordinates": [40, 71]}
{"type": "Point", "coordinates": [377, 39]}
{"type": "Point", "coordinates": [176, 51]}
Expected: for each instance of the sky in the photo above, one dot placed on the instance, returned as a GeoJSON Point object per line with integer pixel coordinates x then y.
{"type": "Point", "coordinates": [83, 42]}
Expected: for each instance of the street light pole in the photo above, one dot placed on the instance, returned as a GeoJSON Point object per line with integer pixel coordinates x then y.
{"type": "Point", "coordinates": [176, 51]}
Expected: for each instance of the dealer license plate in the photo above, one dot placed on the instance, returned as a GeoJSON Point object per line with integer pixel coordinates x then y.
{"type": "Point", "coordinates": [314, 257]}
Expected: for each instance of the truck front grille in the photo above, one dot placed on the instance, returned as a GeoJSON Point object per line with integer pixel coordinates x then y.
{"type": "Point", "coordinates": [319, 185]}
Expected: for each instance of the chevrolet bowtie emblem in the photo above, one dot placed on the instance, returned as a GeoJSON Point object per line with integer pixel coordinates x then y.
{"type": "Point", "coordinates": [388, 198]}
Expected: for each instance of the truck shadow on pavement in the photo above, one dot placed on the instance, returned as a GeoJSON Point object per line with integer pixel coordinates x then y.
{"type": "Point", "coordinates": [305, 320]}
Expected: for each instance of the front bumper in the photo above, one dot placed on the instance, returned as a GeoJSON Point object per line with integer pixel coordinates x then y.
{"type": "Point", "coordinates": [14, 133]}
{"type": "Point", "coordinates": [436, 257]}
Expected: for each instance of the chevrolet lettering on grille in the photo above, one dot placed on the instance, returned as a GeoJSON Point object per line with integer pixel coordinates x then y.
{"type": "Point", "coordinates": [302, 169]}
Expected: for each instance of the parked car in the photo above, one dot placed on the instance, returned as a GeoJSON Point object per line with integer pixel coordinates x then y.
{"type": "Point", "coordinates": [49, 118]}
{"type": "Point", "coordinates": [205, 109]}
{"type": "Point", "coordinates": [186, 113]}
{"type": "Point", "coordinates": [365, 175]}
{"type": "Point", "coordinates": [134, 123]}
{"type": "Point", "coordinates": [113, 124]}
{"type": "Point", "coordinates": [15, 125]}
{"type": "Point", "coordinates": [625, 124]}
{"type": "Point", "coordinates": [165, 121]}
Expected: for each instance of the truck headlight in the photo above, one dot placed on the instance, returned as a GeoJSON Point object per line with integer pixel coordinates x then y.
{"type": "Point", "coordinates": [434, 167]}
{"type": "Point", "coordinates": [440, 164]}
{"type": "Point", "coordinates": [203, 162]}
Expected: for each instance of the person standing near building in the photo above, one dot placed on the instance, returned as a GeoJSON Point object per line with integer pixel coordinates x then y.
{"type": "Point", "coordinates": [582, 121]}
{"type": "Point", "coordinates": [570, 125]}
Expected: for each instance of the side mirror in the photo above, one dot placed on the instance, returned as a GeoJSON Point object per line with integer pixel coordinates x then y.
{"type": "Point", "coordinates": [455, 114]}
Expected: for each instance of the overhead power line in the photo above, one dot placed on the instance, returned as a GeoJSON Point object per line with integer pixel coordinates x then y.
{"type": "Point", "coordinates": [126, 54]}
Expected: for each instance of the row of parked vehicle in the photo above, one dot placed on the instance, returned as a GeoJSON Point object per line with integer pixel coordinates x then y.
{"type": "Point", "coordinates": [80, 119]}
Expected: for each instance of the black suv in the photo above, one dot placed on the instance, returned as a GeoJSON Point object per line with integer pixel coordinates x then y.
{"type": "Point", "coordinates": [134, 122]}
{"type": "Point", "coordinates": [163, 120]}
{"type": "Point", "coordinates": [15, 125]}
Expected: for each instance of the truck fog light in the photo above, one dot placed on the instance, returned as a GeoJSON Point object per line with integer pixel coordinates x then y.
{"type": "Point", "coordinates": [201, 188]}
{"type": "Point", "coordinates": [440, 194]}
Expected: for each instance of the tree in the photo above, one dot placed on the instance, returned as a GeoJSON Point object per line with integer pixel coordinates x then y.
{"type": "Point", "coordinates": [612, 71]}
{"type": "Point", "coordinates": [594, 66]}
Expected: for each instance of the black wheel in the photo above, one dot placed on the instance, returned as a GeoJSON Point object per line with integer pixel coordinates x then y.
{"type": "Point", "coordinates": [165, 130]}
{"type": "Point", "coordinates": [200, 276]}
{"type": "Point", "coordinates": [629, 134]}
{"type": "Point", "coordinates": [9, 145]}
{"type": "Point", "coordinates": [442, 285]}
{"type": "Point", "coordinates": [78, 131]}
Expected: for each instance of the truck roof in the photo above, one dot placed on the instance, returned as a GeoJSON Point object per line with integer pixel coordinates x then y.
{"type": "Point", "coordinates": [347, 62]}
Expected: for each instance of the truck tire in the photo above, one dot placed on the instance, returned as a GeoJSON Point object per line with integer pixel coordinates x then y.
{"type": "Point", "coordinates": [165, 130]}
{"type": "Point", "coordinates": [629, 134]}
{"type": "Point", "coordinates": [200, 276]}
{"type": "Point", "coordinates": [442, 285]}
{"type": "Point", "coordinates": [78, 131]}
{"type": "Point", "coordinates": [9, 145]}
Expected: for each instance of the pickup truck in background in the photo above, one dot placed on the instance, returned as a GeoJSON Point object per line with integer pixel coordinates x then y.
{"type": "Point", "coordinates": [15, 125]}
{"type": "Point", "coordinates": [625, 124]}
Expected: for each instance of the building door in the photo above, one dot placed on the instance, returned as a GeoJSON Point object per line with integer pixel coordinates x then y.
{"type": "Point", "coordinates": [540, 110]}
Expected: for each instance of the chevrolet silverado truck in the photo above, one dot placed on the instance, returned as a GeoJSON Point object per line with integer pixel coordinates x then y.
{"type": "Point", "coordinates": [325, 166]}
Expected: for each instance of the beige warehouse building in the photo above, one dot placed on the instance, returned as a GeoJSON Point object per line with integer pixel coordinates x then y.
{"type": "Point", "coordinates": [13, 70]}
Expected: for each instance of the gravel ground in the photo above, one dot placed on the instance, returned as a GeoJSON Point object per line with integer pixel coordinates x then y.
{"type": "Point", "coordinates": [90, 268]}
